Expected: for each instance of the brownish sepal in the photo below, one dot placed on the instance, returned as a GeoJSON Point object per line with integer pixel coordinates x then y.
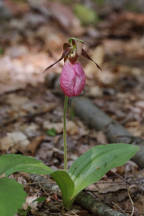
{"type": "Point", "coordinates": [64, 56]}
{"type": "Point", "coordinates": [84, 53]}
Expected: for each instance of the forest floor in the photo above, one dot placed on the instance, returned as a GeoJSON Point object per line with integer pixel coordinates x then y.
{"type": "Point", "coordinates": [31, 113]}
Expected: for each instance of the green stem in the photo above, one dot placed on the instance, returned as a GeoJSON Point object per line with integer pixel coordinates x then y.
{"type": "Point", "coordinates": [64, 133]}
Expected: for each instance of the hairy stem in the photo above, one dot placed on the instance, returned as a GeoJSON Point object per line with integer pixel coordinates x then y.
{"type": "Point", "coordinates": [64, 133]}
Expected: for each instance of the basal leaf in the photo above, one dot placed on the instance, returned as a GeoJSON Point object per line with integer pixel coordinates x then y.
{"type": "Point", "coordinates": [66, 185]}
{"type": "Point", "coordinates": [93, 165]}
{"type": "Point", "coordinates": [12, 196]}
{"type": "Point", "coordinates": [10, 163]}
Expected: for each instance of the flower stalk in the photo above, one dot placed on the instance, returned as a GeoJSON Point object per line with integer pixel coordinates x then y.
{"type": "Point", "coordinates": [64, 132]}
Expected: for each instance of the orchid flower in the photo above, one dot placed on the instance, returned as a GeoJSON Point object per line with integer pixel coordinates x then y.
{"type": "Point", "coordinates": [72, 78]}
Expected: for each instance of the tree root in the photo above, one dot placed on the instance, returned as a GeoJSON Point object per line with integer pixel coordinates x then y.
{"type": "Point", "coordinates": [88, 202]}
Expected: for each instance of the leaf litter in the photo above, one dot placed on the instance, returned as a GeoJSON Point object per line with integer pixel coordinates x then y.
{"type": "Point", "coordinates": [32, 40]}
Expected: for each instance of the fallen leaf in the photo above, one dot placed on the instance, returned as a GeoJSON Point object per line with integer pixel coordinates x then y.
{"type": "Point", "coordinates": [14, 141]}
{"type": "Point", "coordinates": [33, 146]}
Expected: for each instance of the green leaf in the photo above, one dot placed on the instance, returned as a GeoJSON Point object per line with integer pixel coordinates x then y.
{"type": "Point", "coordinates": [12, 196]}
{"type": "Point", "coordinates": [11, 163]}
{"type": "Point", "coordinates": [87, 169]}
{"type": "Point", "coordinates": [51, 132]}
{"type": "Point", "coordinates": [86, 15]}
{"type": "Point", "coordinates": [66, 185]}
{"type": "Point", "coordinates": [39, 199]}
{"type": "Point", "coordinates": [92, 166]}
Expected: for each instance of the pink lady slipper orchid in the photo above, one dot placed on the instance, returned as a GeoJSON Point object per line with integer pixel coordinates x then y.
{"type": "Point", "coordinates": [72, 78]}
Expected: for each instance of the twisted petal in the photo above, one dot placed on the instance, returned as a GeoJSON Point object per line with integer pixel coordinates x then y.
{"type": "Point", "coordinates": [72, 79]}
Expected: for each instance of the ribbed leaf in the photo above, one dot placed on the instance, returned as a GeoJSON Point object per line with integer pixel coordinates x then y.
{"type": "Point", "coordinates": [66, 185]}
{"type": "Point", "coordinates": [12, 196]}
{"type": "Point", "coordinates": [87, 169]}
{"type": "Point", "coordinates": [11, 163]}
{"type": "Point", "coordinates": [93, 165]}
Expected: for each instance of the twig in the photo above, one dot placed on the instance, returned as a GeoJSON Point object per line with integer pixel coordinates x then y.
{"type": "Point", "coordinates": [96, 207]}
{"type": "Point", "coordinates": [118, 207]}
{"type": "Point", "coordinates": [132, 203]}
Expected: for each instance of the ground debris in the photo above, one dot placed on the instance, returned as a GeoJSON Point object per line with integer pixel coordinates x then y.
{"type": "Point", "coordinates": [31, 39]}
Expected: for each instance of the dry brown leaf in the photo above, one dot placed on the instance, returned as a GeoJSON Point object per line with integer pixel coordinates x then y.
{"type": "Point", "coordinates": [65, 17]}
{"type": "Point", "coordinates": [33, 146]}
{"type": "Point", "coordinates": [71, 127]}
{"type": "Point", "coordinates": [14, 141]}
{"type": "Point", "coordinates": [18, 72]}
